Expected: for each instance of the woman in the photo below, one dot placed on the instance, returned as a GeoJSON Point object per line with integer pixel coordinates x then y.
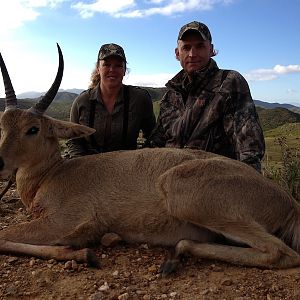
{"type": "Point", "coordinates": [118, 112]}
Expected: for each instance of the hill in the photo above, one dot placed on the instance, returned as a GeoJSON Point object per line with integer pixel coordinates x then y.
{"type": "Point", "coordinates": [267, 105]}
{"type": "Point", "coordinates": [291, 133]}
{"type": "Point", "coordinates": [65, 97]}
{"type": "Point", "coordinates": [287, 130]}
{"type": "Point", "coordinates": [271, 115]}
{"type": "Point", "coordinates": [59, 110]}
{"type": "Point", "coordinates": [60, 97]}
{"type": "Point", "coordinates": [33, 94]}
{"type": "Point", "coordinates": [273, 105]}
{"type": "Point", "coordinates": [157, 94]}
{"type": "Point", "coordinates": [273, 118]}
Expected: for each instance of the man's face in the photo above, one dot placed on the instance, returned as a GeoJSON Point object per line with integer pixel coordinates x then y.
{"type": "Point", "coordinates": [193, 52]}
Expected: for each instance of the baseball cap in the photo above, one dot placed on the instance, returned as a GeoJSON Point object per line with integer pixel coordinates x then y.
{"type": "Point", "coordinates": [198, 27]}
{"type": "Point", "coordinates": [111, 49]}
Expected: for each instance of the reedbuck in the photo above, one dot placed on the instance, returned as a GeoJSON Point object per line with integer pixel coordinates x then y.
{"type": "Point", "coordinates": [194, 201]}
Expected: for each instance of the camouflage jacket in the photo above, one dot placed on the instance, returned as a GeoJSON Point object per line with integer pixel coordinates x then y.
{"type": "Point", "coordinates": [109, 127]}
{"type": "Point", "coordinates": [214, 112]}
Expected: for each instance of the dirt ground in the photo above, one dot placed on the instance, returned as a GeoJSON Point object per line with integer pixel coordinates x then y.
{"type": "Point", "coordinates": [131, 272]}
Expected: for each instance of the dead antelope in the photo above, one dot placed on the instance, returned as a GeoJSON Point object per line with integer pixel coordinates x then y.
{"type": "Point", "coordinates": [187, 199]}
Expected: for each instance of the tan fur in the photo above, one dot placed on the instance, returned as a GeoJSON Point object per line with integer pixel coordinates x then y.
{"type": "Point", "coordinates": [170, 197]}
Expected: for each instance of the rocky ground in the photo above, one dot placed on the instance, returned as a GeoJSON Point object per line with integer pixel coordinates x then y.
{"type": "Point", "coordinates": [131, 272]}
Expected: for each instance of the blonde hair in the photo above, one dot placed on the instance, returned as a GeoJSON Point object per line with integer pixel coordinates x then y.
{"type": "Point", "coordinates": [95, 77]}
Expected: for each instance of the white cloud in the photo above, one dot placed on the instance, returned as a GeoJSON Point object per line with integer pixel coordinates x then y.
{"type": "Point", "coordinates": [15, 13]}
{"type": "Point", "coordinates": [135, 9]}
{"type": "Point", "coordinates": [111, 7]}
{"type": "Point", "coordinates": [287, 69]}
{"type": "Point", "coordinates": [153, 80]}
{"type": "Point", "coordinates": [270, 74]}
{"type": "Point", "coordinates": [155, 1]}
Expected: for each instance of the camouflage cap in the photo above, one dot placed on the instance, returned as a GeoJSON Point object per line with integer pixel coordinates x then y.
{"type": "Point", "coordinates": [198, 27]}
{"type": "Point", "coordinates": [107, 50]}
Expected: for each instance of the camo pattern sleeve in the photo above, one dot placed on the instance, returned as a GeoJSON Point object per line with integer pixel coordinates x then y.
{"type": "Point", "coordinates": [241, 122]}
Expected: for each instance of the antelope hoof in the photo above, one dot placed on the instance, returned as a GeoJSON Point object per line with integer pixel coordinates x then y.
{"type": "Point", "coordinates": [92, 259]}
{"type": "Point", "coordinates": [169, 266]}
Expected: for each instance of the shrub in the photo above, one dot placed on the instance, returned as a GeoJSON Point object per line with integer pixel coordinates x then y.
{"type": "Point", "coordinates": [287, 172]}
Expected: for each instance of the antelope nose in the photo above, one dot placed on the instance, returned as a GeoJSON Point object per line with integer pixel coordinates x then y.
{"type": "Point", "coordinates": [1, 163]}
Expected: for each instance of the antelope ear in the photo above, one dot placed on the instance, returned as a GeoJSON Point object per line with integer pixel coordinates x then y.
{"type": "Point", "coordinates": [69, 130]}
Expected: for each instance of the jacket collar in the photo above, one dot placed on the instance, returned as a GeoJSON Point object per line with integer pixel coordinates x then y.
{"type": "Point", "coordinates": [181, 82]}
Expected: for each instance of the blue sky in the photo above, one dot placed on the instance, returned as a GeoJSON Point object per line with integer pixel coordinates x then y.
{"type": "Point", "coordinates": [258, 38]}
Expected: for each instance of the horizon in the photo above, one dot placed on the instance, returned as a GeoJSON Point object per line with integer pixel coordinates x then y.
{"type": "Point", "coordinates": [29, 95]}
{"type": "Point", "coordinates": [254, 38]}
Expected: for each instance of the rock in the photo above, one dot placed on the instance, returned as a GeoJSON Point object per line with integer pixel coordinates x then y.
{"type": "Point", "coordinates": [12, 259]}
{"type": "Point", "coordinates": [104, 287]}
{"type": "Point", "coordinates": [144, 246]}
{"type": "Point", "coordinates": [68, 265]}
{"type": "Point", "coordinates": [74, 265]}
{"type": "Point", "coordinates": [226, 281]}
{"type": "Point", "coordinates": [71, 265]}
{"type": "Point", "coordinates": [52, 261]}
{"type": "Point", "coordinates": [97, 296]}
{"type": "Point", "coordinates": [204, 292]}
{"type": "Point", "coordinates": [11, 290]}
{"type": "Point", "coordinates": [124, 296]}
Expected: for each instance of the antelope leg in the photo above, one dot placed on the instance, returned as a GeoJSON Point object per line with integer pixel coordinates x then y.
{"type": "Point", "coordinates": [59, 253]}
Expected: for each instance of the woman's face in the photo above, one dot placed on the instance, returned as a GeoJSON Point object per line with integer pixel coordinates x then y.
{"type": "Point", "coordinates": [111, 71]}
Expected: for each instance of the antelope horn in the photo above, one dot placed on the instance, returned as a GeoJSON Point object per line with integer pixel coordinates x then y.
{"type": "Point", "coordinates": [45, 101]}
{"type": "Point", "coordinates": [10, 99]}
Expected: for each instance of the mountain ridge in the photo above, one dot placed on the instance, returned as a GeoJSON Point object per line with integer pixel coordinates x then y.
{"type": "Point", "coordinates": [156, 94]}
{"type": "Point", "coordinates": [270, 117]}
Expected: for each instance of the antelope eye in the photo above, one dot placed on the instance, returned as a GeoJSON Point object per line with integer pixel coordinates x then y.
{"type": "Point", "coordinates": [32, 130]}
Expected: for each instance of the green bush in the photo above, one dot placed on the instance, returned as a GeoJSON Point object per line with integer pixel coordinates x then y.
{"type": "Point", "coordinates": [287, 171]}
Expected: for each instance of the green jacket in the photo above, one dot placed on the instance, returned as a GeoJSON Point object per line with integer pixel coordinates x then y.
{"type": "Point", "coordinates": [215, 112]}
{"type": "Point", "coordinates": [109, 127]}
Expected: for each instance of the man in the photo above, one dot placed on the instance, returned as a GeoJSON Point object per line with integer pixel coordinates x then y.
{"type": "Point", "coordinates": [206, 107]}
